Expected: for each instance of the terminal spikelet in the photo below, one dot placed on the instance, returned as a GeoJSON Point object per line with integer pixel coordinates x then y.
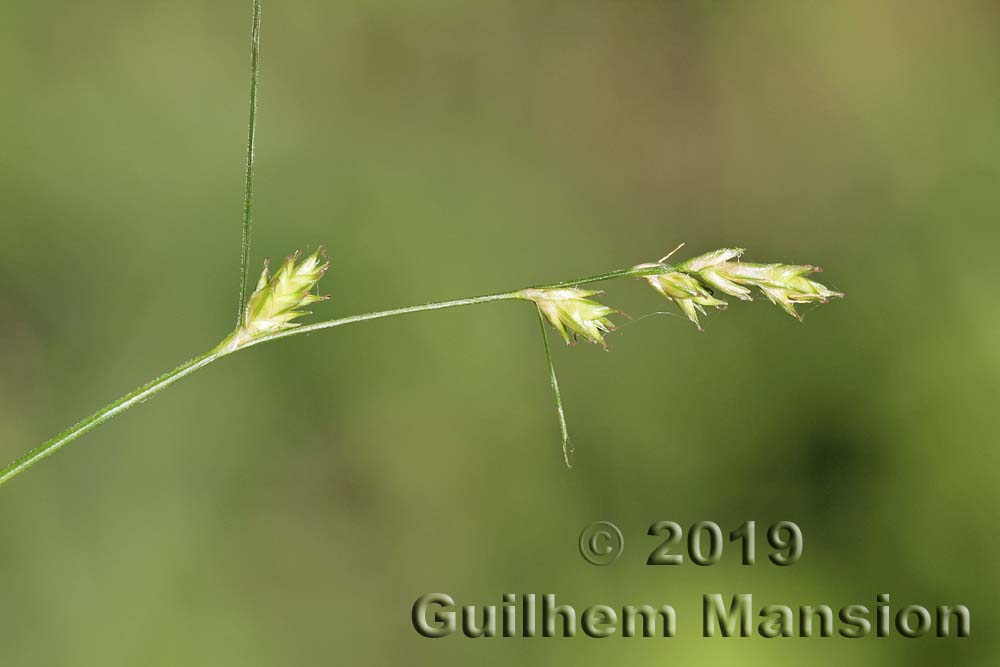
{"type": "Point", "coordinates": [692, 284]}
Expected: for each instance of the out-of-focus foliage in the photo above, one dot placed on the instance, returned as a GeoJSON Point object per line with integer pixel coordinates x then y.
{"type": "Point", "coordinates": [287, 505]}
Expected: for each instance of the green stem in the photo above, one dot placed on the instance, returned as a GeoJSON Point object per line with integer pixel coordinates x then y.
{"type": "Point", "coordinates": [149, 390]}
{"type": "Point", "coordinates": [104, 414]}
{"type": "Point", "coordinates": [554, 381]}
{"type": "Point", "coordinates": [650, 270]}
{"type": "Point", "coordinates": [159, 384]}
{"type": "Point", "coordinates": [251, 136]}
{"type": "Point", "coordinates": [365, 317]}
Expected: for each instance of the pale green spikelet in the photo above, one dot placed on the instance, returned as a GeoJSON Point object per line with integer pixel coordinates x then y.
{"type": "Point", "coordinates": [691, 284]}
{"type": "Point", "coordinates": [279, 299]}
{"type": "Point", "coordinates": [705, 266]}
{"type": "Point", "coordinates": [571, 313]}
{"type": "Point", "coordinates": [710, 259]}
{"type": "Point", "coordinates": [784, 284]}
{"type": "Point", "coordinates": [684, 290]}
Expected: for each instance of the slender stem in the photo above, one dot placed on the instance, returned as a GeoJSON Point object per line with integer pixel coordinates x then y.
{"type": "Point", "coordinates": [104, 414]}
{"type": "Point", "coordinates": [159, 384]}
{"type": "Point", "coordinates": [251, 137]}
{"type": "Point", "coordinates": [649, 270]}
{"type": "Point", "coordinates": [554, 381]}
{"type": "Point", "coordinates": [149, 390]}
{"type": "Point", "coordinates": [502, 296]}
{"type": "Point", "coordinates": [439, 305]}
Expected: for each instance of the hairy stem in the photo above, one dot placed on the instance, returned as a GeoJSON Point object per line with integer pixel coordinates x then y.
{"type": "Point", "coordinates": [159, 384]}
{"type": "Point", "coordinates": [251, 137]}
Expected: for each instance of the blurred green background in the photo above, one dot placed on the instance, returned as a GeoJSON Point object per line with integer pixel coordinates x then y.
{"type": "Point", "coordinates": [287, 505]}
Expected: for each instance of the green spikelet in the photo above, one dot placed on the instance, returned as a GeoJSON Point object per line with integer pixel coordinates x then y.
{"type": "Point", "coordinates": [279, 299]}
{"type": "Point", "coordinates": [691, 285]}
{"type": "Point", "coordinates": [572, 314]}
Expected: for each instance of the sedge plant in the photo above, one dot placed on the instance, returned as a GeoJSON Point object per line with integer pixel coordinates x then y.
{"type": "Point", "coordinates": [270, 311]}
